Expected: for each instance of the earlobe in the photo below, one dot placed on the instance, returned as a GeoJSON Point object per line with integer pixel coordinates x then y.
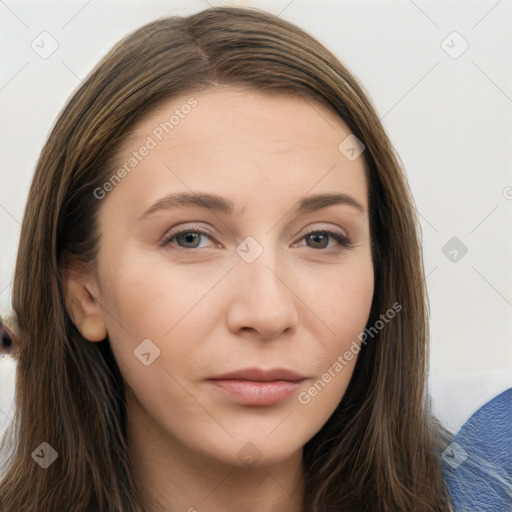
{"type": "Point", "coordinates": [83, 307]}
{"type": "Point", "coordinates": [93, 328]}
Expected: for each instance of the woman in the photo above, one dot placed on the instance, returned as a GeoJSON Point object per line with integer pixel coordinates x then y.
{"type": "Point", "coordinates": [223, 306]}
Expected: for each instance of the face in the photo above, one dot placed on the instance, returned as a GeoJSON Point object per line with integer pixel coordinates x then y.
{"type": "Point", "coordinates": [231, 291]}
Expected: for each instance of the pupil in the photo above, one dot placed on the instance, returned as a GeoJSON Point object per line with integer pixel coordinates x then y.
{"type": "Point", "coordinates": [189, 238]}
{"type": "Point", "coordinates": [318, 238]}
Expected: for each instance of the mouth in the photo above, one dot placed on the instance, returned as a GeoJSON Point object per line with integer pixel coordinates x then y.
{"type": "Point", "coordinates": [256, 386]}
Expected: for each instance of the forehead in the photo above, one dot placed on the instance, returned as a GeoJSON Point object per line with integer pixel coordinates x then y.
{"type": "Point", "coordinates": [241, 141]}
{"type": "Point", "coordinates": [276, 118]}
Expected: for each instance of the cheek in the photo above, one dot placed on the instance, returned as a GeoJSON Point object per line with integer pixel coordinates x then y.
{"type": "Point", "coordinates": [172, 307]}
{"type": "Point", "coordinates": [157, 324]}
{"type": "Point", "coordinates": [342, 298]}
{"type": "Point", "coordinates": [344, 304]}
{"type": "Point", "coordinates": [146, 293]}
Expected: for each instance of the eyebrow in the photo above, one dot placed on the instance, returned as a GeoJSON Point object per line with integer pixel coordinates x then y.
{"type": "Point", "coordinates": [225, 205]}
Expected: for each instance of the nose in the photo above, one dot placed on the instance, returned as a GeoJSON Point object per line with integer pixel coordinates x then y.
{"type": "Point", "coordinates": [262, 301]}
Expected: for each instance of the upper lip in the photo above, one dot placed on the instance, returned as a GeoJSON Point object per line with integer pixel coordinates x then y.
{"type": "Point", "coordinates": [261, 375]}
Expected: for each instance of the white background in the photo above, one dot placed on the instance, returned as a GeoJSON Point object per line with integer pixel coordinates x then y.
{"type": "Point", "coordinates": [450, 120]}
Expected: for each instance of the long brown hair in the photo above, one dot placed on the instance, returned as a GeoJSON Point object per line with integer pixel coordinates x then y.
{"type": "Point", "coordinates": [379, 451]}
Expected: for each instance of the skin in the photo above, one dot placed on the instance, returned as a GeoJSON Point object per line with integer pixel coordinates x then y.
{"type": "Point", "coordinates": [299, 305]}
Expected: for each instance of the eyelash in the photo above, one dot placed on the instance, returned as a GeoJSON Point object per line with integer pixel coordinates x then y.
{"type": "Point", "coordinates": [342, 240]}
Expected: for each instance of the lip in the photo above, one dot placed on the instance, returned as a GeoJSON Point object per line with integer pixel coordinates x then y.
{"type": "Point", "coordinates": [256, 386]}
{"type": "Point", "coordinates": [261, 375]}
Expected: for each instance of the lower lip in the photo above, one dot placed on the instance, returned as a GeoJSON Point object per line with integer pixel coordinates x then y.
{"type": "Point", "coordinates": [248, 392]}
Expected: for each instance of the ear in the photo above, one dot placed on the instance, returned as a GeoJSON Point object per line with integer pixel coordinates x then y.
{"type": "Point", "coordinates": [81, 296]}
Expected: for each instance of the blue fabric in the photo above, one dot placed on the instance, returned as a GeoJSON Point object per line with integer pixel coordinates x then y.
{"type": "Point", "coordinates": [478, 462]}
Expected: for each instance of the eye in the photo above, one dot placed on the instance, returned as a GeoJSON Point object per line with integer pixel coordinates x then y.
{"type": "Point", "coordinates": [186, 239]}
{"type": "Point", "coordinates": [319, 239]}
